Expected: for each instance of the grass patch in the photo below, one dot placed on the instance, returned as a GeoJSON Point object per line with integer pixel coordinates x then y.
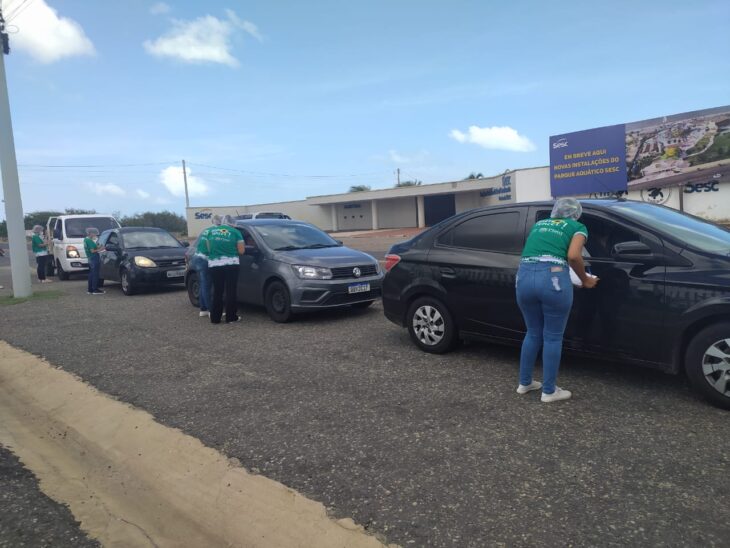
{"type": "Point", "coordinates": [38, 296]}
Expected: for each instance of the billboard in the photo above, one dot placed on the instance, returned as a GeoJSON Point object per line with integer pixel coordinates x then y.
{"type": "Point", "coordinates": [681, 149]}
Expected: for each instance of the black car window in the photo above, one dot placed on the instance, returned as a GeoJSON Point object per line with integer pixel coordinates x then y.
{"type": "Point", "coordinates": [603, 234]}
{"type": "Point", "coordinates": [113, 239]}
{"type": "Point", "coordinates": [146, 239]}
{"type": "Point", "coordinates": [247, 237]}
{"type": "Point", "coordinates": [497, 232]}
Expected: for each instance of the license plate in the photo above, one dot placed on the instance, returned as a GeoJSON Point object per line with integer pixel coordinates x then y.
{"type": "Point", "coordinates": [175, 273]}
{"type": "Point", "coordinates": [358, 288]}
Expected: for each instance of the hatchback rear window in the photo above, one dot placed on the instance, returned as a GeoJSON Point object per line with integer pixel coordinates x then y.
{"type": "Point", "coordinates": [497, 232]}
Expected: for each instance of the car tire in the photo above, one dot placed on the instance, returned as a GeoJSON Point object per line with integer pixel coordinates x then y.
{"type": "Point", "coordinates": [363, 305]}
{"type": "Point", "coordinates": [62, 274]}
{"type": "Point", "coordinates": [278, 302]}
{"type": "Point", "coordinates": [128, 287]}
{"type": "Point", "coordinates": [431, 326]}
{"type": "Point", "coordinates": [707, 363]}
{"type": "Point", "coordinates": [193, 287]}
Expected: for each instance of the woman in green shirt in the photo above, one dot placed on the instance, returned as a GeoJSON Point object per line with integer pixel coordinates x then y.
{"type": "Point", "coordinates": [40, 250]}
{"type": "Point", "coordinates": [545, 293]}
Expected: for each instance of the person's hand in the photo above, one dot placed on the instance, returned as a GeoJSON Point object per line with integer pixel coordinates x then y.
{"type": "Point", "coordinates": [590, 282]}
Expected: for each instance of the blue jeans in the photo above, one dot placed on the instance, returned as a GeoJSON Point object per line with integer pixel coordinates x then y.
{"type": "Point", "coordinates": [94, 265]}
{"type": "Point", "coordinates": [545, 296]}
{"type": "Point", "coordinates": [200, 265]}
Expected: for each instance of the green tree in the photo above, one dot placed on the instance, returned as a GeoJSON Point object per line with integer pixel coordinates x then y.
{"type": "Point", "coordinates": [473, 175]}
{"type": "Point", "coordinates": [73, 211]}
{"type": "Point", "coordinates": [414, 182]}
{"type": "Point", "coordinates": [167, 220]}
{"type": "Point", "coordinates": [39, 218]}
{"type": "Point", "coordinates": [359, 188]}
{"type": "Point", "coordinates": [3, 229]}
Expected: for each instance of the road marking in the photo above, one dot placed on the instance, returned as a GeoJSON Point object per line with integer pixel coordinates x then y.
{"type": "Point", "coordinates": [131, 481]}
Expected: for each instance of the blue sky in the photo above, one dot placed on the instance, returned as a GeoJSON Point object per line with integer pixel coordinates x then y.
{"type": "Point", "coordinates": [298, 98]}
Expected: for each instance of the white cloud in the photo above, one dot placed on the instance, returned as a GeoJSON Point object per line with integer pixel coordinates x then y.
{"type": "Point", "coordinates": [105, 189]}
{"type": "Point", "coordinates": [206, 39]}
{"type": "Point", "coordinates": [160, 8]}
{"type": "Point", "coordinates": [398, 158]}
{"type": "Point", "coordinates": [44, 35]}
{"type": "Point", "coordinates": [496, 138]}
{"type": "Point", "coordinates": [142, 194]}
{"type": "Point", "coordinates": [172, 178]}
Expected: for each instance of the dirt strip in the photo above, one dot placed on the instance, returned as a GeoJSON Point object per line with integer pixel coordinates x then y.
{"type": "Point", "coordinates": [133, 482]}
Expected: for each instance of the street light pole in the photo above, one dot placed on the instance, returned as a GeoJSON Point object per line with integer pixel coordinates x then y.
{"type": "Point", "coordinates": [19, 268]}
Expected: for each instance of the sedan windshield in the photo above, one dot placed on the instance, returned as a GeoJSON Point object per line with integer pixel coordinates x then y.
{"type": "Point", "coordinates": [693, 231]}
{"type": "Point", "coordinates": [76, 228]}
{"type": "Point", "coordinates": [294, 236]}
{"type": "Point", "coordinates": [149, 239]}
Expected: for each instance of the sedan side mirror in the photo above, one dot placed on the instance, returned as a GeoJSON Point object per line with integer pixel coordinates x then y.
{"type": "Point", "coordinates": [633, 252]}
{"type": "Point", "coordinates": [185, 243]}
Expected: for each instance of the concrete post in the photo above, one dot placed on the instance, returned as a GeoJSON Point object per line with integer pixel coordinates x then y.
{"type": "Point", "coordinates": [334, 218]}
{"type": "Point", "coordinates": [374, 208]}
{"type": "Point", "coordinates": [421, 212]}
{"type": "Point", "coordinates": [19, 267]}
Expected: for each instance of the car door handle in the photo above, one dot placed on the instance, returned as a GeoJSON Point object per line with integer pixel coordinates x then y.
{"type": "Point", "coordinates": [447, 272]}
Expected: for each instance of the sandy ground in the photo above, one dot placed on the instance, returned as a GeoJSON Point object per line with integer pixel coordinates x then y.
{"type": "Point", "coordinates": [133, 482]}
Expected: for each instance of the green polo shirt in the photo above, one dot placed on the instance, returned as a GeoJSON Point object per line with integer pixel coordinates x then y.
{"type": "Point", "coordinates": [221, 242]}
{"type": "Point", "coordinates": [36, 243]}
{"type": "Point", "coordinates": [550, 239]}
{"type": "Point", "coordinates": [89, 246]}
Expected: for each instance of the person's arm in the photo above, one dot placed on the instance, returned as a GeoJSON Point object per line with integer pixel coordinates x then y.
{"type": "Point", "coordinates": [575, 258]}
{"type": "Point", "coordinates": [241, 246]}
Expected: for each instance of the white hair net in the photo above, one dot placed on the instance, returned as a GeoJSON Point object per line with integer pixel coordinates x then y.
{"type": "Point", "coordinates": [92, 231]}
{"type": "Point", "coordinates": [216, 219]}
{"type": "Point", "coordinates": [567, 208]}
{"type": "Point", "coordinates": [228, 220]}
{"type": "Point", "coordinates": [38, 229]}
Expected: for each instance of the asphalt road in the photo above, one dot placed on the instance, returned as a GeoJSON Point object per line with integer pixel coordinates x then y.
{"type": "Point", "coordinates": [426, 450]}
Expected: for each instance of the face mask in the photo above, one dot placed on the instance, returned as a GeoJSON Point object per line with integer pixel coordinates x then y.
{"type": "Point", "coordinates": [94, 238]}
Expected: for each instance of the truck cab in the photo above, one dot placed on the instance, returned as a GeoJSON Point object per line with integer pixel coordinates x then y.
{"type": "Point", "coordinates": [67, 233]}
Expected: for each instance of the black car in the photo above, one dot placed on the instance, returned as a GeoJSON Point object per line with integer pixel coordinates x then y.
{"type": "Point", "coordinates": [291, 266]}
{"type": "Point", "coordinates": [142, 257]}
{"type": "Point", "coordinates": [663, 300]}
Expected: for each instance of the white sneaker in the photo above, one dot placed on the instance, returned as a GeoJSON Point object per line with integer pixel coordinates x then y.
{"type": "Point", "coordinates": [558, 395]}
{"type": "Point", "coordinates": [204, 313]}
{"type": "Point", "coordinates": [534, 385]}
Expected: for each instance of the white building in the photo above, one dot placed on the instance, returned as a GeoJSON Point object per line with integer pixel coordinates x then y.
{"type": "Point", "coordinates": [425, 205]}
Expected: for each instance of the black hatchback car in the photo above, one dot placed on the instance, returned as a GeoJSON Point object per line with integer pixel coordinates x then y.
{"type": "Point", "coordinates": [663, 300]}
{"type": "Point", "coordinates": [142, 257]}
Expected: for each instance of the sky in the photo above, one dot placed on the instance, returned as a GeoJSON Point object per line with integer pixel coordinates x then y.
{"type": "Point", "coordinates": [279, 100]}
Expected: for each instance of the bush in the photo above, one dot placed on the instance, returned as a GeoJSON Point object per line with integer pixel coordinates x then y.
{"type": "Point", "coordinates": [167, 220]}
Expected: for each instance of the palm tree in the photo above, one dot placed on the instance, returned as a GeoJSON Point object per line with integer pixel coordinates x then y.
{"type": "Point", "coordinates": [473, 175]}
{"type": "Point", "coordinates": [414, 182]}
{"type": "Point", "coordinates": [359, 188]}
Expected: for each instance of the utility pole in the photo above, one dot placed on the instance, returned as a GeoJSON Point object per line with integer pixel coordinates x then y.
{"type": "Point", "coordinates": [397, 175]}
{"type": "Point", "coordinates": [19, 267]}
{"type": "Point", "coordinates": [185, 180]}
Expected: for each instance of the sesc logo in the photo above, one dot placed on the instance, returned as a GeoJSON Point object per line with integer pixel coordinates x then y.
{"type": "Point", "coordinates": [560, 143]}
{"type": "Point", "coordinates": [204, 214]}
{"type": "Point", "coordinates": [656, 195]}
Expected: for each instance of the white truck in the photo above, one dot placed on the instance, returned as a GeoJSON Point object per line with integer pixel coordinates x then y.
{"type": "Point", "coordinates": [65, 235]}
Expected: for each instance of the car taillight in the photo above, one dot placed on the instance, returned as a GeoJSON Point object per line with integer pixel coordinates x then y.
{"type": "Point", "coordinates": [391, 261]}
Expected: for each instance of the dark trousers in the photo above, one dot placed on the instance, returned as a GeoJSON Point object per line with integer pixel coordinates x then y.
{"type": "Point", "coordinates": [41, 261]}
{"type": "Point", "coordinates": [94, 265]}
{"type": "Point", "coordinates": [224, 278]}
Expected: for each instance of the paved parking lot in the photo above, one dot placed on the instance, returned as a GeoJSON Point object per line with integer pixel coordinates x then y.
{"type": "Point", "coordinates": [423, 449]}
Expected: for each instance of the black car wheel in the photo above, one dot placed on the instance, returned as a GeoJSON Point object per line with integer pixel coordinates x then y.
{"type": "Point", "coordinates": [278, 302]}
{"type": "Point", "coordinates": [362, 305]}
{"type": "Point", "coordinates": [708, 363]}
{"type": "Point", "coordinates": [431, 326]}
{"type": "Point", "coordinates": [62, 274]}
{"type": "Point", "coordinates": [128, 287]}
{"type": "Point", "coordinates": [193, 287]}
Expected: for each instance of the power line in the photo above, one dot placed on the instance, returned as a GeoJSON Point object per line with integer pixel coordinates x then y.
{"type": "Point", "coordinates": [265, 174]}
{"type": "Point", "coordinates": [20, 9]}
{"type": "Point", "coordinates": [61, 166]}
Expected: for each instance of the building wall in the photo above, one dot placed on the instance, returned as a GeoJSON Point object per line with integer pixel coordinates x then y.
{"type": "Point", "coordinates": [354, 216]}
{"type": "Point", "coordinates": [397, 213]}
{"type": "Point", "coordinates": [320, 216]}
{"type": "Point", "coordinates": [467, 200]}
{"type": "Point", "coordinates": [532, 185]}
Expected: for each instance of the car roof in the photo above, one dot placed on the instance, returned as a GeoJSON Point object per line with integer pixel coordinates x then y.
{"type": "Point", "coordinates": [84, 216]}
{"type": "Point", "coordinates": [268, 222]}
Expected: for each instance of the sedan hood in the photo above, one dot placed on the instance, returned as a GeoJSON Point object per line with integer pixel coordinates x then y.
{"type": "Point", "coordinates": [161, 254]}
{"type": "Point", "coordinates": [329, 257]}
